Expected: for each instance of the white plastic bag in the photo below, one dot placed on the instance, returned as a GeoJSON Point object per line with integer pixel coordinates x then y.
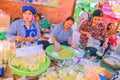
{"type": "Point", "coordinates": [93, 43]}
{"type": "Point", "coordinates": [28, 50]}
{"type": "Point", "coordinates": [76, 37]}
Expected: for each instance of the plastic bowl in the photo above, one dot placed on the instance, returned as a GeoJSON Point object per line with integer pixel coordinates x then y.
{"type": "Point", "coordinates": [23, 72]}
{"type": "Point", "coordinates": [50, 49]}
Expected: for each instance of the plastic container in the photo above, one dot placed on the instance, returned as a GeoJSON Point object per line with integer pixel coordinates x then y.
{"type": "Point", "coordinates": [23, 72]}
{"type": "Point", "coordinates": [50, 49]}
{"type": "Point", "coordinates": [93, 43]}
{"type": "Point", "coordinates": [1, 71]}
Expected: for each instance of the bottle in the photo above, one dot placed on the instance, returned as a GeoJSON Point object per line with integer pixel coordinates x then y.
{"type": "Point", "coordinates": [1, 71]}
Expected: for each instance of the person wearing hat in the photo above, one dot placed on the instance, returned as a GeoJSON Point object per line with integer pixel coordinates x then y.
{"type": "Point", "coordinates": [25, 31]}
{"type": "Point", "coordinates": [94, 28]}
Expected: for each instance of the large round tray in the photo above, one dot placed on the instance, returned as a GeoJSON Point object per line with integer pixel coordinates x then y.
{"type": "Point", "coordinates": [50, 49]}
{"type": "Point", "coordinates": [112, 61]}
{"type": "Point", "coordinates": [23, 72]}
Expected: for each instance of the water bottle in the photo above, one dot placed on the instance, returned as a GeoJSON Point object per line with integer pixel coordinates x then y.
{"type": "Point", "coordinates": [1, 71]}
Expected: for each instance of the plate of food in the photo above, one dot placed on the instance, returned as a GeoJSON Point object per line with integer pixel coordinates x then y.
{"type": "Point", "coordinates": [66, 53]}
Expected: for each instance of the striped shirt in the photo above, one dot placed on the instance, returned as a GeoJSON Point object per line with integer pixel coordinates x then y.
{"type": "Point", "coordinates": [59, 33]}
{"type": "Point", "coordinates": [17, 29]}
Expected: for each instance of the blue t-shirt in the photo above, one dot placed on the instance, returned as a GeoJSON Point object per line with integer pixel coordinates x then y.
{"type": "Point", "coordinates": [59, 33]}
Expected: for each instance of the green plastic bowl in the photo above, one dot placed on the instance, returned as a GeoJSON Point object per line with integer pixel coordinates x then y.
{"type": "Point", "coordinates": [50, 49]}
{"type": "Point", "coordinates": [23, 72]}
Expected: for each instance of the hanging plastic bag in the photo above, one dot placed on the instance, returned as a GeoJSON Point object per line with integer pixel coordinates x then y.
{"type": "Point", "coordinates": [4, 19]}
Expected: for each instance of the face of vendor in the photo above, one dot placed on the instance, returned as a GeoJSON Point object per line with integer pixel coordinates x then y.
{"type": "Point", "coordinates": [28, 16]}
{"type": "Point", "coordinates": [96, 20]}
{"type": "Point", "coordinates": [68, 24]}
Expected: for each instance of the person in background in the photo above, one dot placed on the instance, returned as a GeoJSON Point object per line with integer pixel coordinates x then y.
{"type": "Point", "coordinates": [112, 36]}
{"type": "Point", "coordinates": [83, 15]}
{"type": "Point", "coordinates": [110, 28]}
{"type": "Point", "coordinates": [89, 14]}
{"type": "Point", "coordinates": [82, 12]}
{"type": "Point", "coordinates": [44, 23]}
{"type": "Point", "coordinates": [62, 33]}
{"type": "Point", "coordinates": [95, 29]}
{"type": "Point", "coordinates": [25, 31]}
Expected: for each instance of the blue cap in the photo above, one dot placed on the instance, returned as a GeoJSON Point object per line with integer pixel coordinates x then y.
{"type": "Point", "coordinates": [30, 8]}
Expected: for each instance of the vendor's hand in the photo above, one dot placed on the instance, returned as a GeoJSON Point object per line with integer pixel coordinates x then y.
{"type": "Point", "coordinates": [74, 46]}
{"type": "Point", "coordinates": [30, 39]}
{"type": "Point", "coordinates": [88, 34]}
{"type": "Point", "coordinates": [105, 45]}
{"type": "Point", "coordinates": [20, 38]}
{"type": "Point", "coordinates": [57, 46]}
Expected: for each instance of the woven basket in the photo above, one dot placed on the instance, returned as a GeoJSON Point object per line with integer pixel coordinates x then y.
{"type": "Point", "coordinates": [112, 61]}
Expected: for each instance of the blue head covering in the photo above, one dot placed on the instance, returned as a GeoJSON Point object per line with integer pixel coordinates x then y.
{"type": "Point", "coordinates": [30, 8]}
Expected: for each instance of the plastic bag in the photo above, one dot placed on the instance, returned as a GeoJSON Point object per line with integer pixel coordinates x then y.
{"type": "Point", "coordinates": [80, 76]}
{"type": "Point", "coordinates": [80, 53]}
{"type": "Point", "coordinates": [4, 19]}
{"type": "Point", "coordinates": [76, 37]}
{"type": "Point", "coordinates": [6, 51]}
{"type": "Point", "coordinates": [93, 43]}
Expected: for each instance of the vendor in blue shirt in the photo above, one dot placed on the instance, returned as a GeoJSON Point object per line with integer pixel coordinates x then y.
{"type": "Point", "coordinates": [25, 31]}
{"type": "Point", "coordinates": [62, 33]}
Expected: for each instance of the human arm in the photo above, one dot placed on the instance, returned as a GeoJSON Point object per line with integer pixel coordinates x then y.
{"type": "Point", "coordinates": [12, 33]}
{"type": "Point", "coordinates": [86, 33]}
{"type": "Point", "coordinates": [54, 34]}
{"type": "Point", "coordinates": [83, 29]}
{"type": "Point", "coordinates": [103, 35]}
{"type": "Point", "coordinates": [57, 44]}
{"type": "Point", "coordinates": [116, 45]}
{"type": "Point", "coordinates": [72, 44]}
{"type": "Point", "coordinates": [105, 44]}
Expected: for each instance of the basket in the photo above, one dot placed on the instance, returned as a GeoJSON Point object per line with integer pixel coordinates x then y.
{"type": "Point", "coordinates": [50, 49]}
{"type": "Point", "coordinates": [112, 62]}
{"type": "Point", "coordinates": [23, 72]}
